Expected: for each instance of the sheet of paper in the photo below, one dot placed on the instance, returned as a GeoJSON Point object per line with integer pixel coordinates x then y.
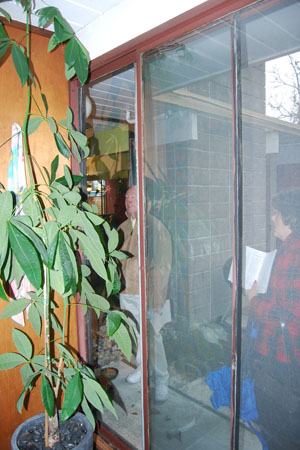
{"type": "Point", "coordinates": [258, 267]}
{"type": "Point", "coordinates": [254, 262]}
{"type": "Point", "coordinates": [265, 272]}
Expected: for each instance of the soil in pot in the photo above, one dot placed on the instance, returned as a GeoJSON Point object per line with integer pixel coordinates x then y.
{"type": "Point", "coordinates": [73, 435]}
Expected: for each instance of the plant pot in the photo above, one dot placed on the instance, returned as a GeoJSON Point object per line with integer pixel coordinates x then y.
{"type": "Point", "coordinates": [85, 444]}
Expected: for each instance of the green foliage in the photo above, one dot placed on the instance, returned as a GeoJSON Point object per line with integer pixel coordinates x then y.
{"type": "Point", "coordinates": [47, 396]}
{"type": "Point", "coordinates": [44, 243]}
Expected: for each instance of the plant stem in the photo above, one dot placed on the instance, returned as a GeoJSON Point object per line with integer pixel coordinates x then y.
{"type": "Point", "coordinates": [27, 113]}
{"type": "Point", "coordinates": [51, 425]}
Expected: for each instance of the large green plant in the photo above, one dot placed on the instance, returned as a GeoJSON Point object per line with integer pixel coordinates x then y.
{"type": "Point", "coordinates": [46, 243]}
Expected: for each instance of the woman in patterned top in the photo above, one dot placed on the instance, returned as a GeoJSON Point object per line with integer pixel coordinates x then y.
{"type": "Point", "coordinates": [274, 319]}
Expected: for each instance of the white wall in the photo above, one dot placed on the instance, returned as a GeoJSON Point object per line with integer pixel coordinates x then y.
{"type": "Point", "coordinates": [128, 20]}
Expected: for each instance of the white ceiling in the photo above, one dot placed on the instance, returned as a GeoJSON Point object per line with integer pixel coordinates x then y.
{"type": "Point", "coordinates": [79, 13]}
{"type": "Point", "coordinates": [102, 25]}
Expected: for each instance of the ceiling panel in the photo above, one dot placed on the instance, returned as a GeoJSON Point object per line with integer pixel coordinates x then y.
{"type": "Point", "coordinates": [79, 13]}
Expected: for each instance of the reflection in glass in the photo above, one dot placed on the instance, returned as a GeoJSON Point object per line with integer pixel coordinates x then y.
{"type": "Point", "coordinates": [271, 162]}
{"type": "Point", "coordinates": [188, 190]}
{"type": "Point", "coordinates": [188, 185]}
{"type": "Point", "coordinates": [110, 169]}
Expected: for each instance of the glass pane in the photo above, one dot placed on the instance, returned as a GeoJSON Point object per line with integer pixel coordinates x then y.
{"type": "Point", "coordinates": [110, 169]}
{"type": "Point", "coordinates": [188, 185]}
{"type": "Point", "coordinates": [271, 162]}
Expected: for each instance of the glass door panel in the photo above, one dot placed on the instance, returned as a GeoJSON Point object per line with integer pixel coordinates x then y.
{"type": "Point", "coordinates": [189, 244]}
{"type": "Point", "coordinates": [188, 185]}
{"type": "Point", "coordinates": [271, 207]}
{"type": "Point", "coordinates": [110, 170]}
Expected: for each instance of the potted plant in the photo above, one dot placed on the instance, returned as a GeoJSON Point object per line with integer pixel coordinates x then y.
{"type": "Point", "coordinates": [51, 238]}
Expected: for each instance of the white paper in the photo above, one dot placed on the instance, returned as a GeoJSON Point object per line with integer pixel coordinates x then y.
{"type": "Point", "coordinates": [258, 268]}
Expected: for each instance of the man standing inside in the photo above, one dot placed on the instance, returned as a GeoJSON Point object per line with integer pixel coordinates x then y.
{"type": "Point", "coordinates": [129, 296]}
{"type": "Point", "coordinates": [158, 271]}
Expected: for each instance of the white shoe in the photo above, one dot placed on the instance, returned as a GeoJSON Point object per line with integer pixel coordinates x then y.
{"type": "Point", "coordinates": [134, 377]}
{"type": "Point", "coordinates": [161, 393]}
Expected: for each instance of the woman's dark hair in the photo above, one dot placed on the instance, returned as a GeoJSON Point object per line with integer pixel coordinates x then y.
{"type": "Point", "coordinates": [288, 204]}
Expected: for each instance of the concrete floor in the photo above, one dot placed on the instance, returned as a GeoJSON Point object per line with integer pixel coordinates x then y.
{"type": "Point", "coordinates": [185, 421]}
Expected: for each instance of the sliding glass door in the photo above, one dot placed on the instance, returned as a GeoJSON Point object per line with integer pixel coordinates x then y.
{"type": "Point", "coordinates": [221, 138]}
{"type": "Point", "coordinates": [218, 173]}
{"type": "Point", "coordinates": [110, 171]}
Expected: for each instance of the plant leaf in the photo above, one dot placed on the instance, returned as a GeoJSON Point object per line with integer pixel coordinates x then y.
{"type": "Point", "coordinates": [95, 392]}
{"type": "Point", "coordinates": [69, 117]}
{"type": "Point", "coordinates": [53, 42]}
{"type": "Point", "coordinates": [52, 250]}
{"type": "Point", "coordinates": [26, 372]}
{"type": "Point", "coordinates": [91, 233]}
{"type": "Point", "coordinates": [27, 386]}
{"type": "Point", "coordinates": [73, 397]}
{"type": "Point", "coordinates": [30, 206]}
{"type": "Point", "coordinates": [74, 198]}
{"type": "Point", "coordinates": [113, 322]}
{"type": "Point", "coordinates": [21, 401]}
{"type": "Point", "coordinates": [45, 102]}
{"type": "Point", "coordinates": [81, 67]}
{"type": "Point", "coordinates": [66, 353]}
{"type": "Point", "coordinates": [33, 124]}
{"type": "Point", "coordinates": [63, 31]}
{"type": "Point", "coordinates": [98, 302]}
{"type": "Point", "coordinates": [113, 240]}
{"type": "Point", "coordinates": [35, 319]}
{"type": "Point", "coordinates": [69, 72]}
{"type": "Point", "coordinates": [39, 360]}
{"type": "Point", "coordinates": [61, 145]}
{"type": "Point", "coordinates": [20, 62]}
{"type": "Point", "coordinates": [15, 307]}
{"type": "Point", "coordinates": [46, 15]}
{"type": "Point", "coordinates": [88, 412]}
{"type": "Point", "coordinates": [52, 124]}
{"type": "Point", "coordinates": [3, 48]}
{"type": "Point", "coordinates": [6, 206]}
{"type": "Point", "coordinates": [75, 149]}
{"type": "Point", "coordinates": [66, 265]}
{"type": "Point", "coordinates": [4, 243]}
{"type": "Point", "coordinates": [11, 360]}
{"type": "Point", "coordinates": [55, 324]}
{"type": "Point", "coordinates": [35, 239]}
{"type": "Point", "coordinates": [119, 254]}
{"type": "Point", "coordinates": [26, 255]}
{"type": "Point", "coordinates": [68, 176]}
{"type": "Point", "coordinates": [90, 250]}
{"type": "Point", "coordinates": [3, 34]}
{"type": "Point", "coordinates": [122, 338]}
{"type": "Point", "coordinates": [90, 395]}
{"type": "Point", "coordinates": [5, 14]}
{"type": "Point", "coordinates": [75, 178]}
{"type": "Point", "coordinates": [22, 343]}
{"type": "Point", "coordinates": [72, 50]}
{"type": "Point", "coordinates": [6, 267]}
{"type": "Point", "coordinates": [80, 138]}
{"type": "Point", "coordinates": [47, 396]}
{"type": "Point", "coordinates": [54, 167]}
{"type": "Point", "coordinates": [3, 294]}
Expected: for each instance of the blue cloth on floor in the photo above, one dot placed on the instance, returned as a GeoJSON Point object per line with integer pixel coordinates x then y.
{"type": "Point", "coordinates": [219, 381]}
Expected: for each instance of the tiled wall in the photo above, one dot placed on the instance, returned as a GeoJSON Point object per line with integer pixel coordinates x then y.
{"type": "Point", "coordinates": [199, 173]}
